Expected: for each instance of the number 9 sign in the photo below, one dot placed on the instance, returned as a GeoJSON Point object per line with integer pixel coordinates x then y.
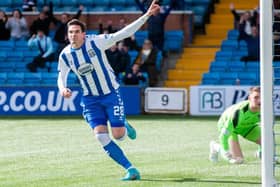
{"type": "Point", "coordinates": [166, 100]}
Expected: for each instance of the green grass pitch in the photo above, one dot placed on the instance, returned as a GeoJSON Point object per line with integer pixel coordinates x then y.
{"type": "Point", "coordinates": [170, 151]}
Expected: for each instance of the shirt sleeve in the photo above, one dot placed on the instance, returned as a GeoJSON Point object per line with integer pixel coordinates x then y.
{"type": "Point", "coordinates": [32, 42]}
{"type": "Point", "coordinates": [225, 133]}
{"type": "Point", "coordinates": [105, 41]}
{"type": "Point", "coordinates": [23, 24]}
{"type": "Point", "coordinates": [62, 74]}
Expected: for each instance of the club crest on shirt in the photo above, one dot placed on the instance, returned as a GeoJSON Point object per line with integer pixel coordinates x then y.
{"type": "Point", "coordinates": [91, 53]}
{"type": "Point", "coordinates": [85, 69]}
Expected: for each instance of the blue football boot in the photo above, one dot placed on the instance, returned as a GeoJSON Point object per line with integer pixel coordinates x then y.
{"type": "Point", "coordinates": [131, 132]}
{"type": "Point", "coordinates": [132, 174]}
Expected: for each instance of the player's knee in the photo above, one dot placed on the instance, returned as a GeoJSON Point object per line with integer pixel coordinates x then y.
{"type": "Point", "coordinates": [103, 138]}
{"type": "Point", "coordinates": [119, 137]}
{"type": "Point", "coordinates": [119, 134]}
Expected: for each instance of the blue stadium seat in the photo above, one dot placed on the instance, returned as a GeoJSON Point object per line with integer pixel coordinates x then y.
{"type": "Point", "coordinates": [223, 55]}
{"type": "Point", "coordinates": [7, 45]}
{"type": "Point", "coordinates": [201, 2]}
{"type": "Point", "coordinates": [99, 9]}
{"type": "Point", "coordinates": [3, 78]}
{"type": "Point", "coordinates": [233, 34]}
{"type": "Point", "coordinates": [15, 56]}
{"type": "Point", "coordinates": [32, 79]}
{"type": "Point", "coordinates": [92, 31]}
{"type": "Point", "coordinates": [16, 3]}
{"type": "Point", "coordinates": [30, 54]}
{"type": "Point", "coordinates": [144, 83]}
{"type": "Point", "coordinates": [3, 55]}
{"type": "Point", "coordinates": [159, 61]}
{"type": "Point", "coordinates": [199, 15]}
{"type": "Point", "coordinates": [228, 78]}
{"type": "Point", "coordinates": [118, 3]}
{"type": "Point", "coordinates": [276, 67]}
{"type": "Point", "coordinates": [238, 54]}
{"type": "Point", "coordinates": [130, 8]}
{"type": "Point", "coordinates": [218, 66]}
{"type": "Point", "coordinates": [68, 3]}
{"type": "Point", "coordinates": [133, 55]}
{"type": "Point", "coordinates": [21, 45]}
{"type": "Point", "coordinates": [7, 66]}
{"type": "Point", "coordinates": [6, 5]}
{"type": "Point", "coordinates": [236, 66]}
{"type": "Point", "coordinates": [86, 3]}
{"type": "Point", "coordinates": [248, 78]}
{"type": "Point", "coordinates": [49, 78]}
{"type": "Point", "coordinates": [21, 67]}
{"type": "Point", "coordinates": [276, 64]}
{"type": "Point", "coordinates": [140, 36]}
{"type": "Point", "coordinates": [52, 33]}
{"type": "Point", "coordinates": [40, 3]}
{"type": "Point", "coordinates": [174, 40]}
{"type": "Point", "coordinates": [72, 79]}
{"type": "Point", "coordinates": [130, 3]}
{"type": "Point", "coordinates": [116, 8]}
{"type": "Point", "coordinates": [120, 78]}
{"type": "Point", "coordinates": [101, 3]}
{"type": "Point", "coordinates": [53, 66]}
{"type": "Point", "coordinates": [229, 45]}
{"type": "Point", "coordinates": [188, 4]}
{"type": "Point", "coordinates": [210, 78]}
{"type": "Point", "coordinates": [253, 66]}
{"type": "Point", "coordinates": [14, 78]}
{"type": "Point", "coordinates": [277, 78]}
{"type": "Point", "coordinates": [243, 45]}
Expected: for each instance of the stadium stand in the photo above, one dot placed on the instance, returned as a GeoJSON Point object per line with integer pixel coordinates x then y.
{"type": "Point", "coordinates": [215, 52]}
{"type": "Point", "coordinates": [228, 65]}
{"type": "Point", "coordinates": [174, 39]}
{"type": "Point", "coordinates": [16, 61]}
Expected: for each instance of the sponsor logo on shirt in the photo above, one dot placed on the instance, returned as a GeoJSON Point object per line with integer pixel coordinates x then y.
{"type": "Point", "coordinates": [85, 69]}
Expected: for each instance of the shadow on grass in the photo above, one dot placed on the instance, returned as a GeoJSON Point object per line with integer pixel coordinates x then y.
{"type": "Point", "coordinates": [182, 180]}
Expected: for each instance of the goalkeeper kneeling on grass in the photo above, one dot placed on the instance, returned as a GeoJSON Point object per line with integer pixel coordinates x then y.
{"type": "Point", "coordinates": [239, 119]}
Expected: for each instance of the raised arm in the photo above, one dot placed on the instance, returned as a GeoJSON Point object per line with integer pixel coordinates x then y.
{"type": "Point", "coordinates": [106, 41]}
{"type": "Point", "coordinates": [79, 12]}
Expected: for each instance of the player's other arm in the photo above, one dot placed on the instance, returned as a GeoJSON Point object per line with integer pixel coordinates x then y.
{"type": "Point", "coordinates": [62, 79]}
{"type": "Point", "coordinates": [225, 133]}
{"type": "Point", "coordinates": [106, 41]}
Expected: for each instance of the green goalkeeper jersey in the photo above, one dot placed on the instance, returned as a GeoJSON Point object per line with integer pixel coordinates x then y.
{"type": "Point", "coordinates": [237, 120]}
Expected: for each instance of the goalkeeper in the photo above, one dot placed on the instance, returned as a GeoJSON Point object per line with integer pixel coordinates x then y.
{"type": "Point", "coordinates": [239, 119]}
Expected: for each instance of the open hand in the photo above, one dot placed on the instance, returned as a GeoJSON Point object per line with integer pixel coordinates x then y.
{"type": "Point", "coordinates": [153, 9]}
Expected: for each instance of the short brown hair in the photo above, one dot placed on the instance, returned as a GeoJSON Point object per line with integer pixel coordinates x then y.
{"type": "Point", "coordinates": [77, 22]}
{"type": "Point", "coordinates": [255, 89]}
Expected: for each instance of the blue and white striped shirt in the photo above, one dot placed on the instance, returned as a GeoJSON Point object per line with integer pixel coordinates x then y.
{"type": "Point", "coordinates": [90, 64]}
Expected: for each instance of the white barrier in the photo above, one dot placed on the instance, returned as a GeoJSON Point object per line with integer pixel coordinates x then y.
{"type": "Point", "coordinates": [166, 100]}
{"type": "Point", "coordinates": [213, 100]}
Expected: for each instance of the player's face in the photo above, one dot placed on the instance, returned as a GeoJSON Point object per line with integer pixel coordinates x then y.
{"type": "Point", "coordinates": [255, 101]}
{"type": "Point", "coordinates": [76, 36]}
